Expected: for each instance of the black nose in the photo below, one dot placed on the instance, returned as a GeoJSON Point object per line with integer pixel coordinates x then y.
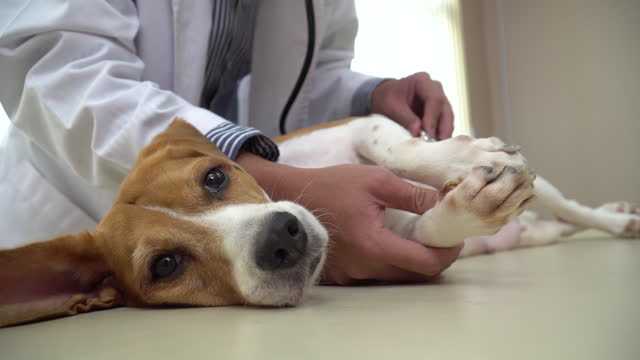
{"type": "Point", "coordinates": [284, 243]}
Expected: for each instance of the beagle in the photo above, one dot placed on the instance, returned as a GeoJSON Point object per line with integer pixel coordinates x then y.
{"type": "Point", "coordinates": [190, 227]}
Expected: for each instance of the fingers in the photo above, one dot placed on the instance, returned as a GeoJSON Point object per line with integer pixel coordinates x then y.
{"type": "Point", "coordinates": [396, 193]}
{"type": "Point", "coordinates": [395, 260]}
{"type": "Point", "coordinates": [389, 98]}
{"type": "Point", "coordinates": [405, 116]}
{"type": "Point", "coordinates": [387, 273]}
{"type": "Point", "coordinates": [394, 274]}
{"type": "Point", "coordinates": [437, 119]}
{"type": "Point", "coordinates": [432, 97]}
{"type": "Point", "coordinates": [413, 257]}
{"type": "Point", "coordinates": [445, 124]}
{"type": "Point", "coordinates": [415, 102]}
{"type": "Point", "coordinates": [432, 109]}
{"type": "Point", "coordinates": [397, 275]}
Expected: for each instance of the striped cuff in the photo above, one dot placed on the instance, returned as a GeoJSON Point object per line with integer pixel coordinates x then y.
{"type": "Point", "coordinates": [361, 102]}
{"type": "Point", "coordinates": [231, 138]}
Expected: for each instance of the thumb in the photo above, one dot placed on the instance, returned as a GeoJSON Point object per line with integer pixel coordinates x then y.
{"type": "Point", "coordinates": [398, 194]}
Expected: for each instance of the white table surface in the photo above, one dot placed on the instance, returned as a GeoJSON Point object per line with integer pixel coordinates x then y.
{"type": "Point", "coordinates": [576, 300]}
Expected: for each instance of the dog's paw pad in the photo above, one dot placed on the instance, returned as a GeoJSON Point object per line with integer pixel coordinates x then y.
{"type": "Point", "coordinates": [511, 149]}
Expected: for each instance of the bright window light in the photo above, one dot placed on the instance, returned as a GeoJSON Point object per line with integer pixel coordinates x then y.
{"type": "Point", "coordinates": [399, 38]}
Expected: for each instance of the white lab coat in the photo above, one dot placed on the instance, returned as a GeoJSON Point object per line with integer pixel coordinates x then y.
{"type": "Point", "coordinates": [87, 84]}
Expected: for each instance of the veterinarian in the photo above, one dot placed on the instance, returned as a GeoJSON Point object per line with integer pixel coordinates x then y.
{"type": "Point", "coordinates": [87, 84]}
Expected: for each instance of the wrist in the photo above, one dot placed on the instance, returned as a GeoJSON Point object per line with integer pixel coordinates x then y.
{"type": "Point", "coordinates": [377, 96]}
{"type": "Point", "coordinates": [279, 181]}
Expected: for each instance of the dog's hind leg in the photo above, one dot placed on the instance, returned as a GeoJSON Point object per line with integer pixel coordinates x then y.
{"type": "Point", "coordinates": [620, 219]}
{"type": "Point", "coordinates": [621, 207]}
{"type": "Point", "coordinates": [544, 232]}
{"type": "Point", "coordinates": [506, 239]}
{"type": "Point", "coordinates": [521, 232]}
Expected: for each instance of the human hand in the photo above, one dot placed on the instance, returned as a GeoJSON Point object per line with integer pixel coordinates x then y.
{"type": "Point", "coordinates": [350, 200]}
{"type": "Point", "coordinates": [415, 102]}
{"type": "Point", "coordinates": [361, 246]}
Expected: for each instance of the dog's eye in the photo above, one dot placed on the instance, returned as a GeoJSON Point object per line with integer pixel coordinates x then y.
{"type": "Point", "coordinates": [215, 180]}
{"type": "Point", "coordinates": [165, 265]}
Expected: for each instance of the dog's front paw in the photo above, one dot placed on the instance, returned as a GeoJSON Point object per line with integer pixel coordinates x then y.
{"type": "Point", "coordinates": [480, 204]}
{"type": "Point", "coordinates": [492, 195]}
{"type": "Point", "coordinates": [467, 153]}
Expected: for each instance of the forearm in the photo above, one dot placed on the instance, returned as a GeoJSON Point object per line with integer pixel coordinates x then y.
{"type": "Point", "coordinates": [280, 182]}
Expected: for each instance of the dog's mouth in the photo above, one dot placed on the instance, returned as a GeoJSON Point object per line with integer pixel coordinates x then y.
{"type": "Point", "coordinates": [277, 251]}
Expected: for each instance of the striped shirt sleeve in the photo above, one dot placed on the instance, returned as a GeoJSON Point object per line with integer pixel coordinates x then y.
{"type": "Point", "coordinates": [231, 138]}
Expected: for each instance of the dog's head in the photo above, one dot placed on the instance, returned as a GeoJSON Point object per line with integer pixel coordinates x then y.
{"type": "Point", "coordinates": [189, 227]}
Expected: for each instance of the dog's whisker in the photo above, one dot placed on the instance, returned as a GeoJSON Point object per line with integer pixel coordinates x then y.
{"type": "Point", "coordinates": [331, 228]}
{"type": "Point", "coordinates": [297, 200]}
{"type": "Point", "coordinates": [322, 216]}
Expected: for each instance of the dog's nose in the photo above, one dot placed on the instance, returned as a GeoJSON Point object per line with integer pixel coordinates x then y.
{"type": "Point", "coordinates": [284, 243]}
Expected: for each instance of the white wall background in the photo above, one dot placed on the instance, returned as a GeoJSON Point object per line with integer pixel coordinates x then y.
{"type": "Point", "coordinates": [564, 82]}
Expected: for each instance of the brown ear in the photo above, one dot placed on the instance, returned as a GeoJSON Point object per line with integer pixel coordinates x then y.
{"type": "Point", "coordinates": [179, 139]}
{"type": "Point", "coordinates": [60, 277]}
{"type": "Point", "coordinates": [179, 128]}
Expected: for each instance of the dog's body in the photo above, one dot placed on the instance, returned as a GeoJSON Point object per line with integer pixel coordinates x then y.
{"type": "Point", "coordinates": [442, 165]}
{"type": "Point", "coordinates": [190, 227]}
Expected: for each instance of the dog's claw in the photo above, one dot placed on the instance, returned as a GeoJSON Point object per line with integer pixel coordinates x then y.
{"type": "Point", "coordinates": [448, 186]}
{"type": "Point", "coordinates": [510, 148]}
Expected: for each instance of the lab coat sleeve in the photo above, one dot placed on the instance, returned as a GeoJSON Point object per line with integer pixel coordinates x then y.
{"type": "Point", "coordinates": [335, 85]}
{"type": "Point", "coordinates": [71, 81]}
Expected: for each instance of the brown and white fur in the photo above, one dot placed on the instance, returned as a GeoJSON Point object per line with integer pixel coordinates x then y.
{"type": "Point", "coordinates": [228, 243]}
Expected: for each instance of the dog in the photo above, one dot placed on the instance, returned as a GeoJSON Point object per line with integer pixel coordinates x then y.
{"type": "Point", "coordinates": [190, 227]}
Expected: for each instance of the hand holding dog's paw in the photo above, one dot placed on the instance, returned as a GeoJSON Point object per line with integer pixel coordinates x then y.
{"type": "Point", "coordinates": [481, 204]}
{"type": "Point", "coordinates": [350, 201]}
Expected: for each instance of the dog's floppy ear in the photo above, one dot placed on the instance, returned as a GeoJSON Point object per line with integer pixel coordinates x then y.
{"type": "Point", "coordinates": [178, 137]}
{"type": "Point", "coordinates": [63, 276]}
{"type": "Point", "coordinates": [181, 129]}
